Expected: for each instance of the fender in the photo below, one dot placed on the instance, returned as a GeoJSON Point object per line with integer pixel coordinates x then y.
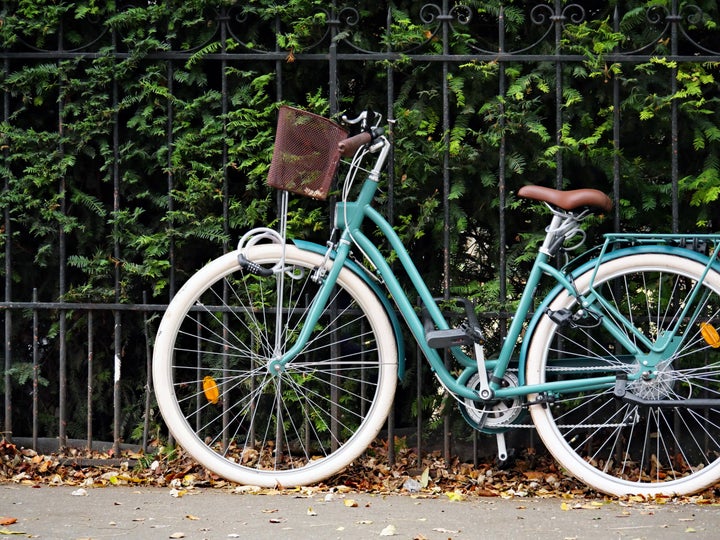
{"type": "Point", "coordinates": [362, 273]}
{"type": "Point", "coordinates": [590, 264]}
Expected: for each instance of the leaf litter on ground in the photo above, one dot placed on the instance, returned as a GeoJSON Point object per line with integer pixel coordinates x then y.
{"type": "Point", "coordinates": [431, 476]}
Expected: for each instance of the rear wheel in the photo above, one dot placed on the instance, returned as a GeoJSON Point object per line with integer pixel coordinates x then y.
{"type": "Point", "coordinates": [249, 419]}
{"type": "Point", "coordinates": [613, 445]}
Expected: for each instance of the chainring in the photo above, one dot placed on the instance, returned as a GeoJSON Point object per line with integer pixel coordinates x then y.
{"type": "Point", "coordinates": [492, 416]}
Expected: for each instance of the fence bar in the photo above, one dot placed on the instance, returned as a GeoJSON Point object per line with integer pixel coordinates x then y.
{"type": "Point", "coordinates": [148, 378]}
{"type": "Point", "coordinates": [62, 268]}
{"type": "Point", "coordinates": [502, 157]}
{"type": "Point", "coordinates": [170, 183]}
{"type": "Point", "coordinates": [674, 19]}
{"type": "Point", "coordinates": [117, 255]}
{"type": "Point", "coordinates": [616, 136]}
{"type": "Point", "coordinates": [7, 343]}
{"type": "Point", "coordinates": [508, 57]}
{"type": "Point", "coordinates": [390, 168]}
{"type": "Point", "coordinates": [558, 22]}
{"type": "Point", "coordinates": [36, 372]}
{"type": "Point", "coordinates": [117, 381]}
{"type": "Point", "coordinates": [90, 376]}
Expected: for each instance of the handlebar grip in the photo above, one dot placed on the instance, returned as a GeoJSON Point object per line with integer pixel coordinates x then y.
{"type": "Point", "coordinates": [348, 147]}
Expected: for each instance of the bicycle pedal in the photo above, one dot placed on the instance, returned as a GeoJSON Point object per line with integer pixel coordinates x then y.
{"type": "Point", "coordinates": [442, 339]}
{"type": "Point", "coordinates": [561, 317]}
{"type": "Point", "coordinates": [582, 318]}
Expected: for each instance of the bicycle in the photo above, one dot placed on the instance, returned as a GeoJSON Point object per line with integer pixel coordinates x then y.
{"type": "Point", "coordinates": [277, 363]}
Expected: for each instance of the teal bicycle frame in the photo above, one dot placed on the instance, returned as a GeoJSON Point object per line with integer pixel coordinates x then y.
{"type": "Point", "coordinates": [349, 219]}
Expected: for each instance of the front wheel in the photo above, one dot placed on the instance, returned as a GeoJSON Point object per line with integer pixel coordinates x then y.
{"type": "Point", "coordinates": [248, 418]}
{"type": "Point", "coordinates": [616, 446]}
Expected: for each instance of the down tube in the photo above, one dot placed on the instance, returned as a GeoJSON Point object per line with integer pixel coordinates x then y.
{"type": "Point", "coordinates": [401, 300]}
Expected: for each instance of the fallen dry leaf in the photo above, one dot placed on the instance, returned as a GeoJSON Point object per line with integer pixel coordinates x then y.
{"type": "Point", "coordinates": [425, 477]}
{"type": "Point", "coordinates": [455, 496]}
{"type": "Point", "coordinates": [7, 520]}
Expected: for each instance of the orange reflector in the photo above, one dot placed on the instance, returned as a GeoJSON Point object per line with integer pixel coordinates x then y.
{"type": "Point", "coordinates": [710, 335]}
{"type": "Point", "coordinates": [211, 389]}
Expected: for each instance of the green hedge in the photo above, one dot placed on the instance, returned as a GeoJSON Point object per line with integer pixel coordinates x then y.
{"type": "Point", "coordinates": [133, 151]}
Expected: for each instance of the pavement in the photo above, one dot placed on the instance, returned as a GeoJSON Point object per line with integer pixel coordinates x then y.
{"type": "Point", "coordinates": [138, 512]}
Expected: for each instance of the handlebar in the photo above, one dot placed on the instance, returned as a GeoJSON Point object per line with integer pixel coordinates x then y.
{"type": "Point", "coordinates": [371, 138]}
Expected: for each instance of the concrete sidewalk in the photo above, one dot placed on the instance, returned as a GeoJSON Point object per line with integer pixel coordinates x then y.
{"type": "Point", "coordinates": [68, 513]}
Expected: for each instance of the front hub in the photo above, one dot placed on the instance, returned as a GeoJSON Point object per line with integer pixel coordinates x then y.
{"type": "Point", "coordinates": [276, 367]}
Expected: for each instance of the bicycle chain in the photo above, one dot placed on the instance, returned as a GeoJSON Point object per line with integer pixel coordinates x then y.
{"type": "Point", "coordinates": [560, 426]}
{"type": "Point", "coordinates": [589, 368]}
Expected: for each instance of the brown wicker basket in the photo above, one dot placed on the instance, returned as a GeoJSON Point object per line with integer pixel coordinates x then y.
{"type": "Point", "coordinates": [306, 154]}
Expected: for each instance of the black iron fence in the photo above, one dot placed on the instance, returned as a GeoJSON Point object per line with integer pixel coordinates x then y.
{"type": "Point", "coordinates": [44, 342]}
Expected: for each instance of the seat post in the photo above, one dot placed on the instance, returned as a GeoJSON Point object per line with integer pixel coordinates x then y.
{"type": "Point", "coordinates": [564, 225]}
{"type": "Point", "coordinates": [550, 244]}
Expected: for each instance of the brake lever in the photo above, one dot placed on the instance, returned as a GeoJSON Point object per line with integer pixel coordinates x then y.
{"type": "Point", "coordinates": [363, 118]}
